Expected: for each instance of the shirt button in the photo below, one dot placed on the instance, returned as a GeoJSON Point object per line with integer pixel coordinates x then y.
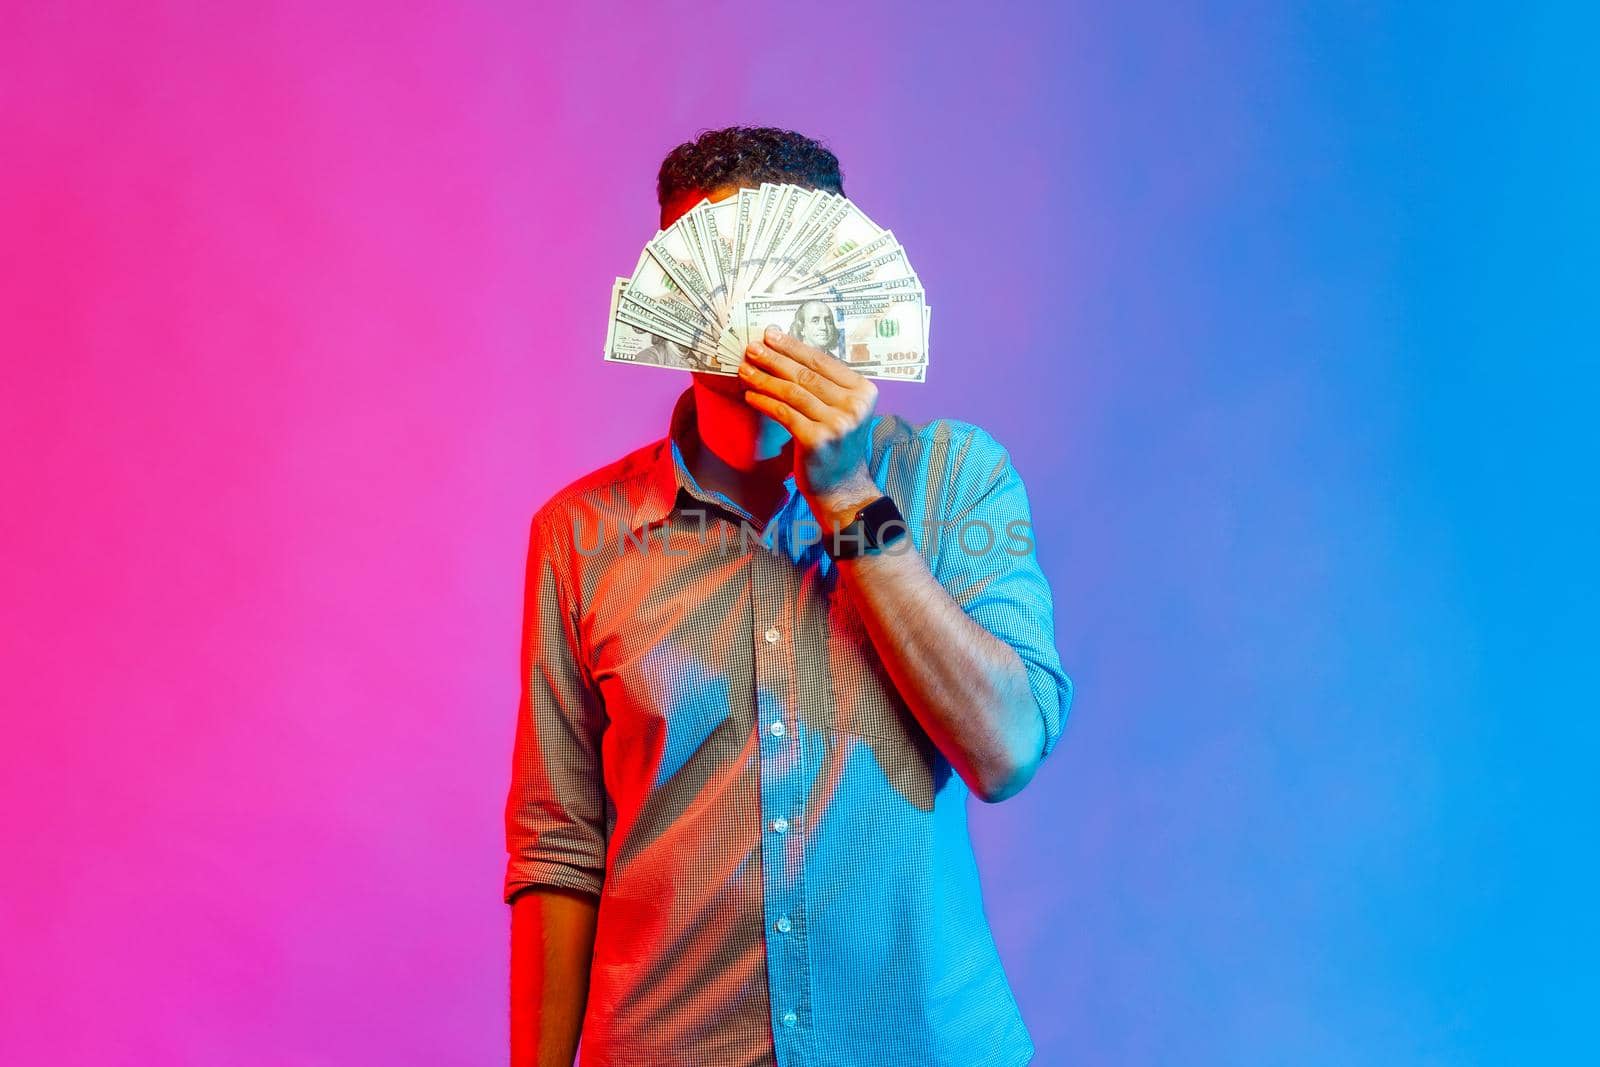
{"type": "Point", "coordinates": [777, 729]}
{"type": "Point", "coordinates": [783, 924]}
{"type": "Point", "coordinates": [772, 635]}
{"type": "Point", "coordinates": [789, 1018]}
{"type": "Point", "coordinates": [780, 824]}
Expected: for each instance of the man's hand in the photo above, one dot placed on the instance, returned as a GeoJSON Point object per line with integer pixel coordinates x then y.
{"type": "Point", "coordinates": [968, 688]}
{"type": "Point", "coordinates": [825, 406]}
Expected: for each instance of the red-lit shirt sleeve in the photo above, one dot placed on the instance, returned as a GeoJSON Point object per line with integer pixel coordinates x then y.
{"type": "Point", "coordinates": [555, 811]}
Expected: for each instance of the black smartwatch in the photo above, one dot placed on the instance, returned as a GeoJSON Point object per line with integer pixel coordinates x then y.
{"type": "Point", "coordinates": [876, 525]}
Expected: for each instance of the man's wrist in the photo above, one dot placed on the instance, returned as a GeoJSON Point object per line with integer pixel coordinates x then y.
{"type": "Point", "coordinates": [837, 507]}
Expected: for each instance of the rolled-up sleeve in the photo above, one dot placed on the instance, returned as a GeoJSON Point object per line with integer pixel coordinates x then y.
{"type": "Point", "coordinates": [555, 811]}
{"type": "Point", "coordinates": [987, 561]}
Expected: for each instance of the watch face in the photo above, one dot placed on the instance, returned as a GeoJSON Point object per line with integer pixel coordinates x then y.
{"type": "Point", "coordinates": [876, 525]}
{"type": "Point", "coordinates": [883, 522]}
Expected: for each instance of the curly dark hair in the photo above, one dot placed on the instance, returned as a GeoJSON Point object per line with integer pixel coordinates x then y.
{"type": "Point", "coordinates": [740, 155]}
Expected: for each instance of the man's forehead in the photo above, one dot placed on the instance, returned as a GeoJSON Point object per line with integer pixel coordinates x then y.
{"type": "Point", "coordinates": [679, 205]}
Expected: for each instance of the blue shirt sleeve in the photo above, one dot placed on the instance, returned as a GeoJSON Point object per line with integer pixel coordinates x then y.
{"type": "Point", "coordinates": [986, 560]}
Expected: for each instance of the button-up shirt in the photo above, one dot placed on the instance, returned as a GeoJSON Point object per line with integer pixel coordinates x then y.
{"type": "Point", "coordinates": [708, 742]}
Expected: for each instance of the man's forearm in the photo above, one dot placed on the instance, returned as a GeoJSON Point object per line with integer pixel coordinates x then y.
{"type": "Point", "coordinates": [552, 945]}
{"type": "Point", "coordinates": [968, 688]}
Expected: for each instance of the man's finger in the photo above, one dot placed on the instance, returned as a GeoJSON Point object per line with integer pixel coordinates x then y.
{"type": "Point", "coordinates": [800, 428]}
{"type": "Point", "coordinates": [791, 393]}
{"type": "Point", "coordinates": [790, 369]}
{"type": "Point", "coordinates": [824, 363]}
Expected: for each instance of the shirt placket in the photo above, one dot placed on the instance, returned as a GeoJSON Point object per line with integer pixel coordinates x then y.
{"type": "Point", "coordinates": [774, 579]}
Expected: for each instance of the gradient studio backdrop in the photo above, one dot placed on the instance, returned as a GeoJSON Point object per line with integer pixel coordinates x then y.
{"type": "Point", "coordinates": [1288, 318]}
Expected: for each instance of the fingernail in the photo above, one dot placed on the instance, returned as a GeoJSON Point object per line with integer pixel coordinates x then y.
{"type": "Point", "coordinates": [773, 333]}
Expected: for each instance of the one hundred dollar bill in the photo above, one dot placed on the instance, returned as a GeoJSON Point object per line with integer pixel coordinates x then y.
{"type": "Point", "coordinates": [630, 343]}
{"type": "Point", "coordinates": [867, 334]}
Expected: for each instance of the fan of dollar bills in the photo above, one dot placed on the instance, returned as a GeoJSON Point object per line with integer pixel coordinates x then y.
{"type": "Point", "coordinates": [805, 260]}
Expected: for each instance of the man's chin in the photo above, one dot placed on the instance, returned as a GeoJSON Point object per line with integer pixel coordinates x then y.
{"type": "Point", "coordinates": [728, 385]}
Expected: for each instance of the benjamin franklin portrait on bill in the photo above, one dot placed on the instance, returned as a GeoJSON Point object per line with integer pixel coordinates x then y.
{"type": "Point", "coordinates": [814, 324]}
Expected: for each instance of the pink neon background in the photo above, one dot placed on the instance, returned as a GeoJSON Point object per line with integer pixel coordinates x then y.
{"type": "Point", "coordinates": [316, 297]}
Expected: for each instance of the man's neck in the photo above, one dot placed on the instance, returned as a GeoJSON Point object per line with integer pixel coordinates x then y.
{"type": "Point", "coordinates": [742, 453]}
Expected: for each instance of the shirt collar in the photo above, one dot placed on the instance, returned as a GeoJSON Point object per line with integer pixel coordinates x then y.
{"type": "Point", "coordinates": [668, 474]}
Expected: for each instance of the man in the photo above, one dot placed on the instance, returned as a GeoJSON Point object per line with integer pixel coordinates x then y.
{"type": "Point", "coordinates": [751, 716]}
